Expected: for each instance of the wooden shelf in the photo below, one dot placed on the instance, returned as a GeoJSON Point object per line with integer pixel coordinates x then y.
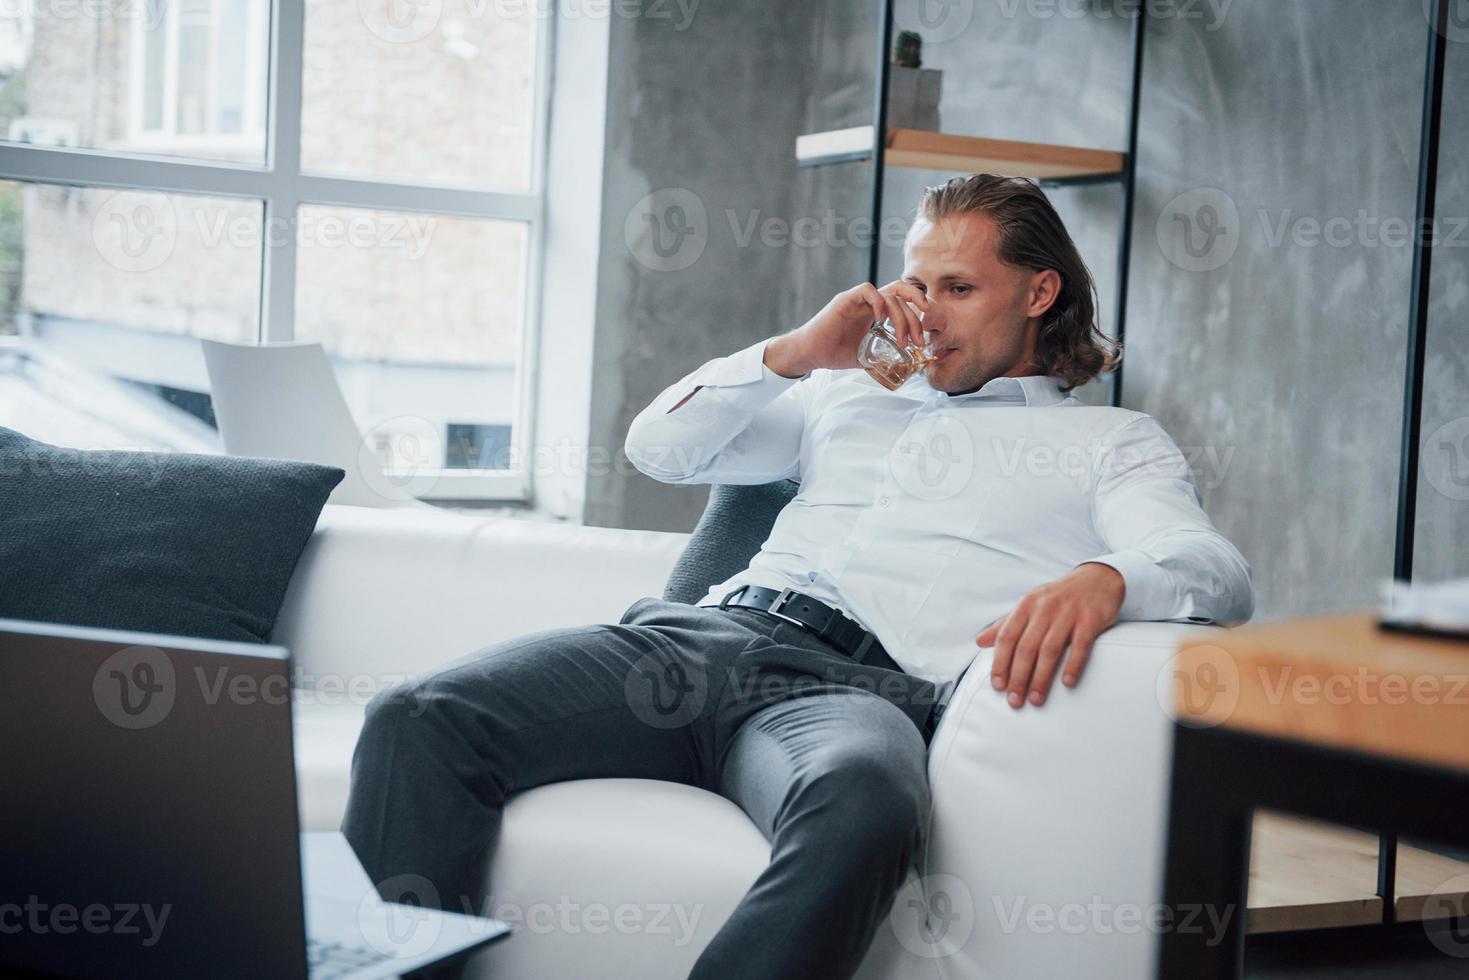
{"type": "Point", "coordinates": [1423, 873]}
{"type": "Point", "coordinates": [965, 154]}
{"type": "Point", "coordinates": [1310, 875]}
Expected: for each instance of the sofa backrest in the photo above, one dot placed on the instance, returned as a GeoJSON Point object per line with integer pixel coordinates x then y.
{"type": "Point", "coordinates": [380, 591]}
{"type": "Point", "coordinates": [735, 523]}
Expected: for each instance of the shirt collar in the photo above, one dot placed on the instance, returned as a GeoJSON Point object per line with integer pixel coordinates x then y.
{"type": "Point", "coordinates": [1032, 390]}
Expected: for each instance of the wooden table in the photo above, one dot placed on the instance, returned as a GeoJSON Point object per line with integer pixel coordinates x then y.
{"type": "Point", "coordinates": [1327, 718]}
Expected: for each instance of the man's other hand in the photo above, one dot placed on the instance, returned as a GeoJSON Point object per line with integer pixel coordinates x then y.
{"type": "Point", "coordinates": [1032, 638]}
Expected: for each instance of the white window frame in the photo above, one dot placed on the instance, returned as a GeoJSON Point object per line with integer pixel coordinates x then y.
{"type": "Point", "coordinates": [283, 187]}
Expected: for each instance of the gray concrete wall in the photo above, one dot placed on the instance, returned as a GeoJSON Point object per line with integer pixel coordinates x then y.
{"type": "Point", "coordinates": [1269, 303]}
{"type": "Point", "coordinates": [704, 117]}
{"type": "Point", "coordinates": [1270, 343]}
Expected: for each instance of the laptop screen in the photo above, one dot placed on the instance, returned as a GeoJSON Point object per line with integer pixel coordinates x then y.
{"type": "Point", "coordinates": [148, 819]}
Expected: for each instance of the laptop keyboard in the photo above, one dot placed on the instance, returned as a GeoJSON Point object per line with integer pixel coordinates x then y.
{"type": "Point", "coordinates": [329, 961]}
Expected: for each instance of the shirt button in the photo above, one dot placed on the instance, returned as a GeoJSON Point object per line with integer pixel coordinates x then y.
{"type": "Point", "coordinates": [883, 501]}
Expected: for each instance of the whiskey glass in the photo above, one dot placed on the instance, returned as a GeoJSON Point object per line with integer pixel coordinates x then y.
{"type": "Point", "coordinates": [888, 363]}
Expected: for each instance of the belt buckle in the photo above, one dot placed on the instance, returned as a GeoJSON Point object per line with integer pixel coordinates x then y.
{"type": "Point", "coordinates": [783, 597]}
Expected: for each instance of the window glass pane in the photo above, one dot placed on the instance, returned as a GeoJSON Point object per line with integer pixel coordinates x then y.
{"type": "Point", "coordinates": [230, 65]}
{"type": "Point", "coordinates": [438, 92]}
{"type": "Point", "coordinates": [137, 77]}
{"type": "Point", "coordinates": [155, 57]}
{"type": "Point", "coordinates": [104, 293]}
{"type": "Point", "coordinates": [193, 84]}
{"type": "Point", "coordinates": [421, 315]}
{"type": "Point", "coordinates": [484, 447]}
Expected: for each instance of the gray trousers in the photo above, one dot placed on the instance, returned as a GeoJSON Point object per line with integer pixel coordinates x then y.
{"type": "Point", "coordinates": [827, 756]}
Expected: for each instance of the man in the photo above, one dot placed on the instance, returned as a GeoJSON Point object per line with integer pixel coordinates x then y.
{"type": "Point", "coordinates": [980, 504]}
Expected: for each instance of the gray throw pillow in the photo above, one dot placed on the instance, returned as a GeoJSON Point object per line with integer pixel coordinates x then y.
{"type": "Point", "coordinates": [179, 543]}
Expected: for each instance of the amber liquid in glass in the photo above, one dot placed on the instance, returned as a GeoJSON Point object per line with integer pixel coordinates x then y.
{"type": "Point", "coordinates": [889, 364]}
{"type": "Point", "coordinates": [893, 376]}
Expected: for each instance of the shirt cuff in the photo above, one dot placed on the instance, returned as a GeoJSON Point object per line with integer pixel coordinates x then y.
{"type": "Point", "coordinates": [743, 380]}
{"type": "Point", "coordinates": [1149, 594]}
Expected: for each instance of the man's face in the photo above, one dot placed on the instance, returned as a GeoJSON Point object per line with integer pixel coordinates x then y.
{"type": "Point", "coordinates": [981, 310]}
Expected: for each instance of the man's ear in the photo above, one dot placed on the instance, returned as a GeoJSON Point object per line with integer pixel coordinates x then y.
{"type": "Point", "coordinates": [1045, 286]}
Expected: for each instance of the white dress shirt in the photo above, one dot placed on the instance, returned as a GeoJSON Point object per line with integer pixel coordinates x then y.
{"type": "Point", "coordinates": [927, 516]}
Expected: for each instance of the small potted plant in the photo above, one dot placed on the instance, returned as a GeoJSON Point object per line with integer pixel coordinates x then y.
{"type": "Point", "coordinates": [913, 91]}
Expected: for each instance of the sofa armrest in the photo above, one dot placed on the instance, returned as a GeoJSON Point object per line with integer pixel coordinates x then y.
{"type": "Point", "coordinates": [1048, 823]}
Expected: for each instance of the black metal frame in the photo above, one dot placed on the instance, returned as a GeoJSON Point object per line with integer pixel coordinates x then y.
{"type": "Point", "coordinates": [1422, 265]}
{"type": "Point", "coordinates": [1129, 182]}
{"type": "Point", "coordinates": [1221, 776]}
{"type": "Point", "coordinates": [880, 132]}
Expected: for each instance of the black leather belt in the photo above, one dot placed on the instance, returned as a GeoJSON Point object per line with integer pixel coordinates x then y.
{"type": "Point", "coordinates": [830, 624]}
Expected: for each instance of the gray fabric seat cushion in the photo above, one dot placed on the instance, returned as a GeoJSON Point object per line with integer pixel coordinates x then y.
{"type": "Point", "coordinates": [735, 523]}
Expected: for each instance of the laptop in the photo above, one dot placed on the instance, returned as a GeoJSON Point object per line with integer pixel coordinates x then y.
{"type": "Point", "coordinates": [148, 822]}
{"type": "Point", "coordinates": [283, 401]}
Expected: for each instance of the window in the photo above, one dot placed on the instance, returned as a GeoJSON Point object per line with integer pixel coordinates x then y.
{"type": "Point", "coordinates": [198, 79]}
{"type": "Point", "coordinates": [108, 293]}
{"type": "Point", "coordinates": [478, 445]}
{"type": "Point", "coordinates": [368, 176]}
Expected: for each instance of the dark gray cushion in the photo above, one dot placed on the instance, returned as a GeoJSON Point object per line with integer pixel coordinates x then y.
{"type": "Point", "coordinates": [180, 543]}
{"type": "Point", "coordinates": [735, 523]}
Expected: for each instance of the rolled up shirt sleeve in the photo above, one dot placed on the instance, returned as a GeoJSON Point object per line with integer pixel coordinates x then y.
{"type": "Point", "coordinates": [1174, 562]}
{"type": "Point", "coordinates": [743, 425]}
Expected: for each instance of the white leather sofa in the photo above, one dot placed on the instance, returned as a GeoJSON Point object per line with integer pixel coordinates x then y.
{"type": "Point", "coordinates": [1046, 843]}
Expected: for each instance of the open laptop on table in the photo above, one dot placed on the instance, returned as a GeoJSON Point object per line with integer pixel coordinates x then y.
{"type": "Point", "coordinates": [148, 823]}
